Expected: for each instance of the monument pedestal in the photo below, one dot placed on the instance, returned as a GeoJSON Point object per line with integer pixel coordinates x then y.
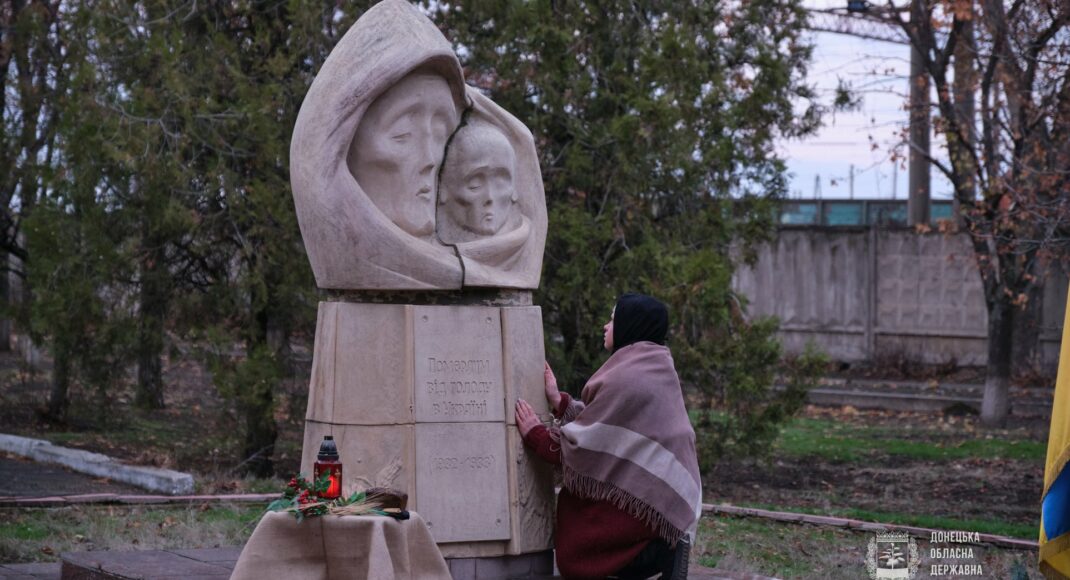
{"type": "Point", "coordinates": [429, 337]}
{"type": "Point", "coordinates": [421, 398]}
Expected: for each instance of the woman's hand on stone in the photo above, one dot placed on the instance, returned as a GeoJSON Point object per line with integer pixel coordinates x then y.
{"type": "Point", "coordinates": [553, 394]}
{"type": "Point", "coordinates": [526, 419]}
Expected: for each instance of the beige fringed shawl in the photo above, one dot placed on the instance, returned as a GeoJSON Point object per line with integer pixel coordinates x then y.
{"type": "Point", "coordinates": [632, 444]}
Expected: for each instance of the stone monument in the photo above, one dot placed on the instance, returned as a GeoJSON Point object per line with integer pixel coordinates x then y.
{"type": "Point", "coordinates": [422, 210]}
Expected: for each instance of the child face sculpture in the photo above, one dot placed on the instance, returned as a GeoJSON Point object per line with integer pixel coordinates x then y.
{"type": "Point", "coordinates": [399, 145]}
{"type": "Point", "coordinates": [477, 182]}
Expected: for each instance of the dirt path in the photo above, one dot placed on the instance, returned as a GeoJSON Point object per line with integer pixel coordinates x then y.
{"type": "Point", "coordinates": [1001, 481]}
{"type": "Point", "coordinates": [21, 477]}
{"type": "Point", "coordinates": [969, 489]}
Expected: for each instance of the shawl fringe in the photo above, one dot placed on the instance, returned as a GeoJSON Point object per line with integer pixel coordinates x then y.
{"type": "Point", "coordinates": [571, 412]}
{"type": "Point", "coordinates": [590, 488]}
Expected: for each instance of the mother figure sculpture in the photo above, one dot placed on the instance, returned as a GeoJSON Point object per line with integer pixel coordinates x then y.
{"type": "Point", "coordinates": [367, 145]}
{"type": "Point", "coordinates": [365, 161]}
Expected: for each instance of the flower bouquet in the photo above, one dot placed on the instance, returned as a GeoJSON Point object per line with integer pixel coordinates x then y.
{"type": "Point", "coordinates": [302, 498]}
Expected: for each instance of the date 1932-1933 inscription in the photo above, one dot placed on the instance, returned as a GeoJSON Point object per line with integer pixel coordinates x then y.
{"type": "Point", "coordinates": [462, 463]}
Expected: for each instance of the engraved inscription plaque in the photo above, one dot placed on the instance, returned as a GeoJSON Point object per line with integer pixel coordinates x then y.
{"type": "Point", "coordinates": [458, 364]}
{"type": "Point", "coordinates": [462, 480]}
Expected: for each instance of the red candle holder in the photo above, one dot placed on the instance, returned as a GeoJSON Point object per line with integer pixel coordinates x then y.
{"type": "Point", "coordinates": [327, 463]}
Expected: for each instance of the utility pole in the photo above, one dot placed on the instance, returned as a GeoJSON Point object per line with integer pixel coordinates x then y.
{"type": "Point", "coordinates": [963, 87]}
{"type": "Point", "coordinates": [864, 19]}
{"type": "Point", "coordinates": [917, 202]}
{"type": "Point", "coordinates": [851, 182]}
{"type": "Point", "coordinates": [895, 180]}
{"type": "Point", "coordinates": [920, 178]}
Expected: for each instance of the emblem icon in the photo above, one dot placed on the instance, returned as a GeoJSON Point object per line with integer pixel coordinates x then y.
{"type": "Point", "coordinates": [892, 555]}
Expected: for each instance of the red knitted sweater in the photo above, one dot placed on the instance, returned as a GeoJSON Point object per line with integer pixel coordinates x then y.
{"type": "Point", "coordinates": [594, 538]}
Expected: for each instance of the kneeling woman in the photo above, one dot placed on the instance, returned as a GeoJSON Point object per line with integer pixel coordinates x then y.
{"type": "Point", "coordinates": [632, 489]}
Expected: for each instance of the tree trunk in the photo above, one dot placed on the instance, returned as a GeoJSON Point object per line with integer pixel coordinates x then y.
{"type": "Point", "coordinates": [1026, 334]}
{"type": "Point", "coordinates": [259, 405]}
{"type": "Point", "coordinates": [59, 398]}
{"type": "Point", "coordinates": [152, 311]}
{"type": "Point", "coordinates": [149, 369]}
{"type": "Point", "coordinates": [5, 298]}
{"type": "Point", "coordinates": [261, 433]}
{"type": "Point", "coordinates": [996, 403]}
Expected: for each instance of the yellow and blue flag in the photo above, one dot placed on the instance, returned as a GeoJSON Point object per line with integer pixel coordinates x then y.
{"type": "Point", "coordinates": [1055, 505]}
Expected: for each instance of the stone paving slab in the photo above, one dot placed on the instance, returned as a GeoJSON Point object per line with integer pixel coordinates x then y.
{"type": "Point", "coordinates": [703, 573]}
{"type": "Point", "coordinates": [145, 564]}
{"type": "Point", "coordinates": [21, 477]}
{"type": "Point", "coordinates": [222, 556]}
{"type": "Point", "coordinates": [699, 573]}
{"type": "Point", "coordinates": [111, 498]}
{"type": "Point", "coordinates": [212, 563]}
{"type": "Point", "coordinates": [41, 571]}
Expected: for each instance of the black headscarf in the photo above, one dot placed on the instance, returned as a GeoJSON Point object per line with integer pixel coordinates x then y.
{"type": "Point", "coordinates": [639, 317]}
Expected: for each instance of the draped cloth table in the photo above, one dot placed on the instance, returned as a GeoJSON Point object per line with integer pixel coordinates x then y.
{"type": "Point", "coordinates": [340, 547]}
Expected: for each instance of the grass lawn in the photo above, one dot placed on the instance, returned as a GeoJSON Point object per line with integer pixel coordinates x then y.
{"type": "Point", "coordinates": [41, 534]}
{"type": "Point", "coordinates": [777, 549]}
{"type": "Point", "coordinates": [925, 470]}
{"type": "Point", "coordinates": [839, 441]}
{"type": "Point", "coordinates": [1009, 529]}
{"type": "Point", "coordinates": [785, 550]}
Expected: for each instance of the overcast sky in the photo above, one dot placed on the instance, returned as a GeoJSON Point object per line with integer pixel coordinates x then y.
{"type": "Point", "coordinates": [878, 73]}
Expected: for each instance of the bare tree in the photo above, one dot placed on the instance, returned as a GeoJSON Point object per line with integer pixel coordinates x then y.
{"type": "Point", "coordinates": [1009, 161]}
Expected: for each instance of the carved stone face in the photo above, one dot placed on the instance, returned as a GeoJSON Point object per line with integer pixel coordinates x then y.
{"type": "Point", "coordinates": [477, 182]}
{"type": "Point", "coordinates": [399, 145]}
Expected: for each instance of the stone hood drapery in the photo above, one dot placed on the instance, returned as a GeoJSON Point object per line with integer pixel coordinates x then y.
{"type": "Point", "coordinates": [351, 244]}
{"type": "Point", "coordinates": [512, 258]}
